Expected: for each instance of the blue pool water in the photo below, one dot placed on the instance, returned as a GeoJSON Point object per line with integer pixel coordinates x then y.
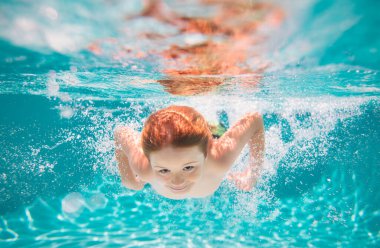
{"type": "Point", "coordinates": [59, 183]}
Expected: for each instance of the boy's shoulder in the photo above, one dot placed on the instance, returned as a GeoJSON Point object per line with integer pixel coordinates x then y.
{"type": "Point", "coordinates": [215, 164]}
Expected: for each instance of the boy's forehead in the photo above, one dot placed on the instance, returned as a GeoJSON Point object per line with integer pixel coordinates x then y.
{"type": "Point", "coordinates": [176, 154]}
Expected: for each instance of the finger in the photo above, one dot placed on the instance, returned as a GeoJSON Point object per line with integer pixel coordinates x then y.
{"type": "Point", "coordinates": [233, 177]}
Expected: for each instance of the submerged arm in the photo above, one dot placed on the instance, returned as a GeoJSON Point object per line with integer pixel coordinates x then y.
{"type": "Point", "coordinates": [133, 165]}
{"type": "Point", "coordinates": [249, 129]}
{"type": "Point", "coordinates": [257, 147]}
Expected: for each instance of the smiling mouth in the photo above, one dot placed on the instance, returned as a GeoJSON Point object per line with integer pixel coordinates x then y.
{"type": "Point", "coordinates": [178, 189]}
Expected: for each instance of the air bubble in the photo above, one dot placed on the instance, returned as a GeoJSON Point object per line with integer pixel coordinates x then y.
{"type": "Point", "coordinates": [73, 203]}
{"type": "Point", "coordinates": [97, 201]}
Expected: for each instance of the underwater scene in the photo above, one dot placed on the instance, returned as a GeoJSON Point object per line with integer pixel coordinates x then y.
{"type": "Point", "coordinates": [72, 71]}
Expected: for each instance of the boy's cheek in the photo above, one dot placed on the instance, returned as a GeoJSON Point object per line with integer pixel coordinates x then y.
{"type": "Point", "coordinates": [195, 175]}
{"type": "Point", "coordinates": [162, 178]}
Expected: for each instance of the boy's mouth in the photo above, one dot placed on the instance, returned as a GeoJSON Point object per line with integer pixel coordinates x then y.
{"type": "Point", "coordinates": [178, 189]}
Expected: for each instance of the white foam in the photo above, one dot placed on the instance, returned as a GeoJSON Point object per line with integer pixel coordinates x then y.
{"type": "Point", "coordinates": [66, 112]}
{"type": "Point", "coordinates": [52, 86]}
{"type": "Point", "coordinates": [50, 12]}
{"type": "Point", "coordinates": [359, 89]}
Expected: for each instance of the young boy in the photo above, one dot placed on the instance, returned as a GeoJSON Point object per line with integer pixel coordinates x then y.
{"type": "Point", "coordinates": [178, 156]}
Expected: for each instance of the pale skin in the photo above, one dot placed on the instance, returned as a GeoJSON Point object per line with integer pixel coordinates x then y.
{"type": "Point", "coordinates": [185, 172]}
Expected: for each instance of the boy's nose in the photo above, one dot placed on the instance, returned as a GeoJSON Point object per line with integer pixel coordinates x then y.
{"type": "Point", "coordinates": [177, 180]}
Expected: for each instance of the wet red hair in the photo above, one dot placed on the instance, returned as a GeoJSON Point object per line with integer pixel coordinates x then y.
{"type": "Point", "coordinates": [179, 126]}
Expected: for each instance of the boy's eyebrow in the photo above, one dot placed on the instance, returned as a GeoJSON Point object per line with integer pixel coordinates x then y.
{"type": "Point", "coordinates": [159, 166]}
{"type": "Point", "coordinates": [191, 162]}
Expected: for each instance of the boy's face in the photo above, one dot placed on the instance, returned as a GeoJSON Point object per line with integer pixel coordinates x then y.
{"type": "Point", "coordinates": [178, 168]}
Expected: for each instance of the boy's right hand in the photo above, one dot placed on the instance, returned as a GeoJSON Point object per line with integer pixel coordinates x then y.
{"type": "Point", "coordinates": [244, 180]}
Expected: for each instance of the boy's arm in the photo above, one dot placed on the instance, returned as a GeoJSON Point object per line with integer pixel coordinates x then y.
{"type": "Point", "coordinates": [249, 129]}
{"type": "Point", "coordinates": [133, 165]}
{"type": "Point", "coordinates": [128, 177]}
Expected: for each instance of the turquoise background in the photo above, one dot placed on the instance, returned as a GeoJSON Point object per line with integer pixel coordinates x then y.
{"type": "Point", "coordinates": [319, 99]}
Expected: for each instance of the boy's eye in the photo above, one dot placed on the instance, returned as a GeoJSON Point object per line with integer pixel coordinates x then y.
{"type": "Point", "coordinates": [188, 168]}
{"type": "Point", "coordinates": [164, 171]}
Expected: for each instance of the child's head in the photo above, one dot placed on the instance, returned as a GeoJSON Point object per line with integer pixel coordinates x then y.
{"type": "Point", "coordinates": [175, 140]}
{"type": "Point", "coordinates": [179, 126]}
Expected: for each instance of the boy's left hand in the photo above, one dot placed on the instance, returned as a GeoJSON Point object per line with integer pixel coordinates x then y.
{"type": "Point", "coordinates": [244, 180]}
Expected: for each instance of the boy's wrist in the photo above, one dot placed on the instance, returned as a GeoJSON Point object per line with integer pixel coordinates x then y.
{"type": "Point", "coordinates": [254, 169]}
